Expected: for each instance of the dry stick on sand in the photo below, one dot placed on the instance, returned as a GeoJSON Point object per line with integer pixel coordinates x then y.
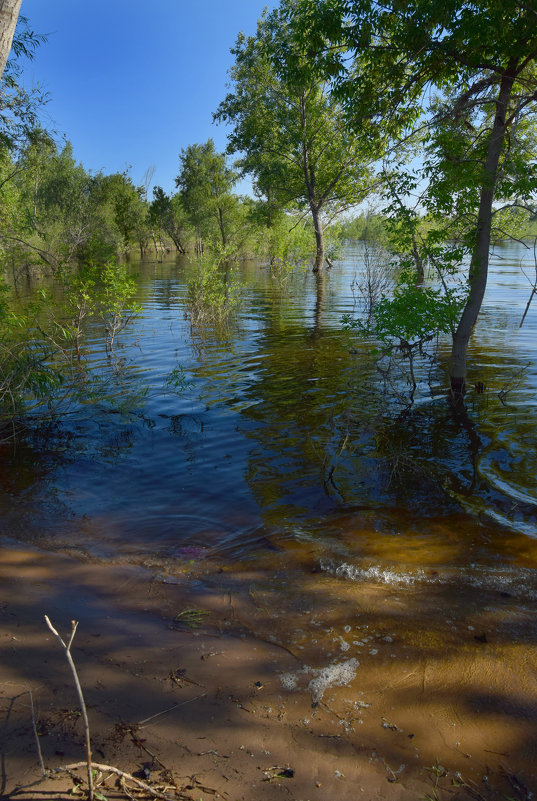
{"type": "Point", "coordinates": [121, 773]}
{"type": "Point", "coordinates": [89, 764]}
{"type": "Point", "coordinates": [67, 649]}
{"type": "Point", "coordinates": [36, 735]}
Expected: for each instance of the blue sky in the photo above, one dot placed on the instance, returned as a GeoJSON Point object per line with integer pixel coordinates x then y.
{"type": "Point", "coordinates": [133, 82]}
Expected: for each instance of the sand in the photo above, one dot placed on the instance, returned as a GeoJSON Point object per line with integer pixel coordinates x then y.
{"type": "Point", "coordinates": [389, 701]}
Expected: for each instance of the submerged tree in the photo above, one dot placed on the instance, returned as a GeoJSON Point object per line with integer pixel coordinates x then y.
{"type": "Point", "coordinates": [465, 74]}
{"type": "Point", "coordinates": [168, 215]}
{"type": "Point", "coordinates": [206, 182]}
{"type": "Point", "coordinates": [289, 130]}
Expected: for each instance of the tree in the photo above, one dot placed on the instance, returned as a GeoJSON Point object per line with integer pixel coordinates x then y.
{"type": "Point", "coordinates": [168, 215]}
{"type": "Point", "coordinates": [463, 73]}
{"type": "Point", "coordinates": [19, 108]}
{"type": "Point", "coordinates": [289, 129]}
{"type": "Point", "coordinates": [129, 212]}
{"type": "Point", "coordinates": [205, 184]}
{"type": "Point", "coordinates": [9, 13]}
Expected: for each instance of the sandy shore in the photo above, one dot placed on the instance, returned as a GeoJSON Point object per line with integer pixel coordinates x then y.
{"type": "Point", "coordinates": [251, 705]}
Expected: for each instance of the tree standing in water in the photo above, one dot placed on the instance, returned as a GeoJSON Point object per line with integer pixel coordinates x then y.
{"type": "Point", "coordinates": [462, 72]}
{"type": "Point", "coordinates": [205, 183]}
{"type": "Point", "coordinates": [289, 130]}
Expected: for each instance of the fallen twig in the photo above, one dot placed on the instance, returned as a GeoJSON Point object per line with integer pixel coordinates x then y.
{"type": "Point", "coordinates": [171, 708]}
{"type": "Point", "coordinates": [117, 772]}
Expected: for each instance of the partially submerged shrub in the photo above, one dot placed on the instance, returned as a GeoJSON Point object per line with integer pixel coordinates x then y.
{"type": "Point", "coordinates": [215, 294]}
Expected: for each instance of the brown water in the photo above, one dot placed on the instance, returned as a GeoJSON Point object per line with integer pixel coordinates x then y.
{"type": "Point", "coordinates": [285, 454]}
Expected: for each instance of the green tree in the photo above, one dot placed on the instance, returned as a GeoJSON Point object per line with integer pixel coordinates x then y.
{"type": "Point", "coordinates": [461, 72]}
{"type": "Point", "coordinates": [128, 210]}
{"type": "Point", "coordinates": [53, 209]}
{"type": "Point", "coordinates": [206, 182]}
{"type": "Point", "coordinates": [167, 214]}
{"type": "Point", "coordinates": [290, 130]}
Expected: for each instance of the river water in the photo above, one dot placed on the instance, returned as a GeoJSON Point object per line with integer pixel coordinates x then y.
{"type": "Point", "coordinates": [291, 491]}
{"type": "Point", "coordinates": [285, 447]}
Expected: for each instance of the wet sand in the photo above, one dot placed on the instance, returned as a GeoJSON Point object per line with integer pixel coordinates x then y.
{"type": "Point", "coordinates": [329, 690]}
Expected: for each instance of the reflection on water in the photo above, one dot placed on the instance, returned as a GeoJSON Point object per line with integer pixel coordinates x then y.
{"type": "Point", "coordinates": [285, 442]}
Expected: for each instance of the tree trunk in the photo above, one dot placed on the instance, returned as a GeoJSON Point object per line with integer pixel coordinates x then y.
{"type": "Point", "coordinates": [480, 255]}
{"type": "Point", "coordinates": [319, 300]}
{"type": "Point", "coordinates": [9, 13]}
{"type": "Point", "coordinates": [178, 244]}
{"type": "Point", "coordinates": [222, 226]}
{"type": "Point", "coordinates": [418, 261]}
{"type": "Point", "coordinates": [319, 238]}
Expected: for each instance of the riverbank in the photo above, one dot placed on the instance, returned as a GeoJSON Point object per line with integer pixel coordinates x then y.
{"type": "Point", "coordinates": [223, 711]}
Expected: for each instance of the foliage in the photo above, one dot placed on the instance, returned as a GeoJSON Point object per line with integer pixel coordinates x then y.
{"type": "Point", "coordinates": [205, 182]}
{"type": "Point", "coordinates": [413, 315]}
{"type": "Point", "coordinates": [289, 129]}
{"type": "Point", "coordinates": [128, 211]}
{"type": "Point", "coordinates": [214, 295]}
{"type": "Point", "coordinates": [177, 380]}
{"type": "Point", "coordinates": [168, 215]}
{"type": "Point", "coordinates": [287, 243]}
{"type": "Point", "coordinates": [43, 366]}
{"type": "Point", "coordinates": [19, 108]}
{"type": "Point", "coordinates": [366, 227]}
{"type": "Point", "coordinates": [459, 87]}
{"type": "Point", "coordinates": [116, 294]}
{"type": "Point", "coordinates": [58, 214]}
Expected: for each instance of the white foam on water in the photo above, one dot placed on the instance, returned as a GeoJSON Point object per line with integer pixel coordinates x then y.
{"type": "Point", "coordinates": [372, 573]}
{"type": "Point", "coordinates": [338, 674]}
{"type": "Point", "coordinates": [332, 676]}
{"type": "Point", "coordinates": [519, 582]}
{"type": "Point", "coordinates": [289, 681]}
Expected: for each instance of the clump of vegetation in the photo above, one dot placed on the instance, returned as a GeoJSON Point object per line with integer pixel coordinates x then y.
{"type": "Point", "coordinates": [288, 244]}
{"type": "Point", "coordinates": [43, 364]}
{"type": "Point", "coordinates": [191, 618]}
{"type": "Point", "coordinates": [215, 294]}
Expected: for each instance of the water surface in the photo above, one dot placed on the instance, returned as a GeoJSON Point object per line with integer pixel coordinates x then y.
{"type": "Point", "coordinates": [286, 449]}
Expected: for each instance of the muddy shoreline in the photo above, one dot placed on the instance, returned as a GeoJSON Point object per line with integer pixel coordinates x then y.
{"type": "Point", "coordinates": [392, 697]}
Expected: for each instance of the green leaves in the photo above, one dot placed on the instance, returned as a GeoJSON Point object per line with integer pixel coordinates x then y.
{"type": "Point", "coordinates": [413, 315]}
{"type": "Point", "coordinates": [287, 127]}
{"type": "Point", "coordinates": [205, 182]}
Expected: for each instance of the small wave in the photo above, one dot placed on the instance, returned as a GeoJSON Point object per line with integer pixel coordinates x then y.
{"type": "Point", "coordinates": [517, 582]}
{"type": "Point", "coordinates": [373, 573]}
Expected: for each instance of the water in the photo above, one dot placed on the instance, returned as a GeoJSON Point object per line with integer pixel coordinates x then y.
{"type": "Point", "coordinates": [285, 451]}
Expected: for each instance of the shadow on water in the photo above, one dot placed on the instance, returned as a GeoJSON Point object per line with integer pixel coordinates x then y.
{"type": "Point", "coordinates": [282, 418]}
{"type": "Point", "coordinates": [340, 523]}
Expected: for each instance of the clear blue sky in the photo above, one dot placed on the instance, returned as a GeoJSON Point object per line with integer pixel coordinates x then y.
{"type": "Point", "coordinates": [133, 82]}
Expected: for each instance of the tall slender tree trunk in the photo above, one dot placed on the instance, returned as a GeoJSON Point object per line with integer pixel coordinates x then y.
{"type": "Point", "coordinates": [319, 237]}
{"type": "Point", "coordinates": [418, 261]}
{"type": "Point", "coordinates": [9, 13]}
{"type": "Point", "coordinates": [222, 226]}
{"type": "Point", "coordinates": [319, 299]}
{"type": "Point", "coordinates": [480, 256]}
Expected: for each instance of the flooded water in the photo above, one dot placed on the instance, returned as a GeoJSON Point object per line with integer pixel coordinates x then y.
{"type": "Point", "coordinates": [292, 493]}
{"type": "Point", "coordinates": [285, 452]}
